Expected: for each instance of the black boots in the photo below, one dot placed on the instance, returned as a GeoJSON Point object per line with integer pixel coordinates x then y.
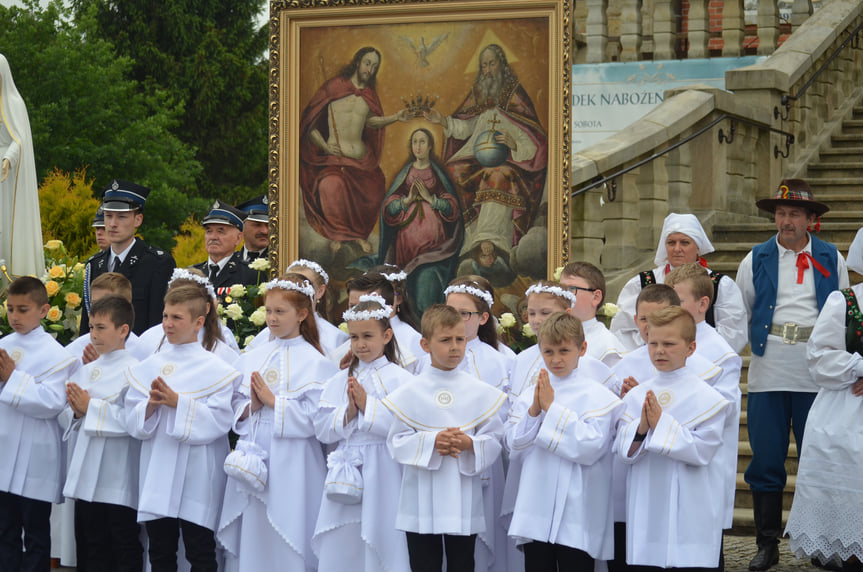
{"type": "Point", "coordinates": [768, 526]}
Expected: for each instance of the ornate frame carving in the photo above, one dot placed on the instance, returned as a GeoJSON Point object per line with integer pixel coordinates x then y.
{"type": "Point", "coordinates": [290, 18]}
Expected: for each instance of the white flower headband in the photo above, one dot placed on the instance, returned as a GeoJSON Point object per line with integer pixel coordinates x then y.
{"type": "Point", "coordinates": [352, 315]}
{"type": "Point", "coordinates": [399, 276]}
{"type": "Point", "coordinates": [473, 290]}
{"type": "Point", "coordinates": [311, 265]}
{"type": "Point", "coordinates": [553, 290]}
{"type": "Point", "coordinates": [183, 274]}
{"type": "Point", "coordinates": [304, 288]}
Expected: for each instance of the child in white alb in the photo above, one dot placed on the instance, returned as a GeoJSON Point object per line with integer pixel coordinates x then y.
{"type": "Point", "coordinates": [446, 434]}
{"type": "Point", "coordinates": [179, 404]}
{"type": "Point", "coordinates": [103, 470]}
{"type": "Point", "coordinates": [275, 407]}
{"type": "Point", "coordinates": [33, 369]}
{"type": "Point", "coordinates": [561, 434]}
{"type": "Point", "coordinates": [587, 283]}
{"type": "Point", "coordinates": [362, 536]}
{"type": "Point", "coordinates": [671, 434]}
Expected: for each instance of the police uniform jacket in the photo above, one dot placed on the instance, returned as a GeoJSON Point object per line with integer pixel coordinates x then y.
{"type": "Point", "coordinates": [148, 269]}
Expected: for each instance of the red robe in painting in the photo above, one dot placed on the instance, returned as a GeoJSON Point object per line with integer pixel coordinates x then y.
{"type": "Point", "coordinates": [342, 197]}
{"type": "Point", "coordinates": [517, 184]}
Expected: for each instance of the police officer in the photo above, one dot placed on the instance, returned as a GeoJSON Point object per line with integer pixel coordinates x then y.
{"type": "Point", "coordinates": [146, 267]}
{"type": "Point", "coordinates": [223, 232]}
{"type": "Point", "coordinates": [256, 228]}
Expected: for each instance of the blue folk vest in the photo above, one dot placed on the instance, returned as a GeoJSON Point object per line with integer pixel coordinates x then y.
{"type": "Point", "coordinates": [765, 270]}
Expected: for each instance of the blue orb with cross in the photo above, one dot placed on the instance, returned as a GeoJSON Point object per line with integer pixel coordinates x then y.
{"type": "Point", "coordinates": [488, 151]}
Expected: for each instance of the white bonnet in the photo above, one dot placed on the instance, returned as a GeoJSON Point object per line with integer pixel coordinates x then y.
{"type": "Point", "coordinates": [686, 224]}
{"type": "Point", "coordinates": [855, 253]}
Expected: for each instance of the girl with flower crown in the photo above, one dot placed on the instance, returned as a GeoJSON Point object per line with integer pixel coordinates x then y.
{"type": "Point", "coordinates": [330, 336]}
{"type": "Point", "coordinates": [362, 536]}
{"type": "Point", "coordinates": [275, 407]}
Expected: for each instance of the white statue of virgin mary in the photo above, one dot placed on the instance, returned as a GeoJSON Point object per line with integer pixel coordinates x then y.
{"type": "Point", "coordinates": [20, 225]}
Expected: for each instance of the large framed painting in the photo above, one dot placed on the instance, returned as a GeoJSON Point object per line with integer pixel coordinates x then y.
{"type": "Point", "coordinates": [432, 135]}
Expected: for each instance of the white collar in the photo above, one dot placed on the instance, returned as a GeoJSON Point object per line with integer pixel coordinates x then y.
{"type": "Point", "coordinates": [121, 255]}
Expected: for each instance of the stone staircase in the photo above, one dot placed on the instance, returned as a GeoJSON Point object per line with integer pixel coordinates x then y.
{"type": "Point", "coordinates": [836, 179]}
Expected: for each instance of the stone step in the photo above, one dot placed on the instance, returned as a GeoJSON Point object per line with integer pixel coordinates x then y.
{"type": "Point", "coordinates": [842, 155]}
{"type": "Point", "coordinates": [844, 140]}
{"type": "Point", "coordinates": [743, 496]}
{"type": "Point", "coordinates": [852, 127]}
{"type": "Point", "coordinates": [835, 169]}
{"type": "Point", "coordinates": [841, 201]}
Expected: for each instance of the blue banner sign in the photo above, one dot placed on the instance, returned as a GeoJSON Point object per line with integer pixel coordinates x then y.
{"type": "Point", "coordinates": [606, 98]}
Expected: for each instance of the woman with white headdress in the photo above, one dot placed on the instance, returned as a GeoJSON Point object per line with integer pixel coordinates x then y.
{"type": "Point", "coordinates": [20, 225]}
{"type": "Point", "coordinates": [826, 518]}
{"type": "Point", "coordinates": [683, 240]}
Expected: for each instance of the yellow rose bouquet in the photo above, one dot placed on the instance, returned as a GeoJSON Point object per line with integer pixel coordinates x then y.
{"type": "Point", "coordinates": [512, 334]}
{"type": "Point", "coordinates": [64, 282]}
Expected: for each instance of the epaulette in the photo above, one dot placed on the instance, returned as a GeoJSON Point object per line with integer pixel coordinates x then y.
{"type": "Point", "coordinates": [157, 252]}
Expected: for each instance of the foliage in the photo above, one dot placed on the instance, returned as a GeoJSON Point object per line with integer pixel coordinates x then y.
{"type": "Point", "coordinates": [243, 309]}
{"type": "Point", "coordinates": [210, 56]}
{"type": "Point", "coordinates": [84, 110]}
{"type": "Point", "coordinates": [64, 281]}
{"type": "Point", "coordinates": [166, 210]}
{"type": "Point", "coordinates": [67, 207]}
{"type": "Point", "coordinates": [190, 243]}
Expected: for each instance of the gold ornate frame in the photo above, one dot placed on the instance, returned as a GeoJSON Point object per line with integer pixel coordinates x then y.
{"type": "Point", "coordinates": [290, 18]}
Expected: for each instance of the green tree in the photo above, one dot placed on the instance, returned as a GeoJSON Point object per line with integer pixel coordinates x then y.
{"type": "Point", "coordinates": [86, 112]}
{"type": "Point", "coordinates": [211, 56]}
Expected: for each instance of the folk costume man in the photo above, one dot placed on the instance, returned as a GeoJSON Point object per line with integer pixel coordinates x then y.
{"type": "Point", "coordinates": [147, 268]}
{"type": "Point", "coordinates": [785, 282]}
{"type": "Point", "coordinates": [223, 232]}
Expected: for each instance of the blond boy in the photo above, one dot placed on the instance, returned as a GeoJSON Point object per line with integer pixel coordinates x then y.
{"type": "Point", "coordinates": [446, 433]}
{"type": "Point", "coordinates": [670, 432]}
{"type": "Point", "coordinates": [561, 432]}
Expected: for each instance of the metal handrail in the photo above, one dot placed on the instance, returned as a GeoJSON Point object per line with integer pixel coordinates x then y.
{"type": "Point", "coordinates": [611, 190]}
{"type": "Point", "coordinates": [786, 99]}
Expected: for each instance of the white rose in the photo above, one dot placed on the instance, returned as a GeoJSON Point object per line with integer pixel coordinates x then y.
{"type": "Point", "coordinates": [248, 339]}
{"type": "Point", "coordinates": [259, 316]}
{"type": "Point", "coordinates": [557, 272]}
{"type": "Point", "coordinates": [262, 289]}
{"type": "Point", "coordinates": [234, 312]}
{"type": "Point", "coordinates": [344, 327]}
{"type": "Point", "coordinates": [609, 309]}
{"type": "Point", "coordinates": [528, 331]}
{"type": "Point", "coordinates": [507, 320]}
{"type": "Point", "coordinates": [238, 290]}
{"type": "Point", "coordinates": [260, 264]}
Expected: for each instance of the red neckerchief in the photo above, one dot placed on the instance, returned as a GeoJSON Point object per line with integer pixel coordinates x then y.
{"type": "Point", "coordinates": [803, 263]}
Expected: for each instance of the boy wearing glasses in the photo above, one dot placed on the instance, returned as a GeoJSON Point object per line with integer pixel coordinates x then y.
{"type": "Point", "coordinates": [587, 283]}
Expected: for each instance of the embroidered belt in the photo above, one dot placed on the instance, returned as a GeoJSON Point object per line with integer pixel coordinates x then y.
{"type": "Point", "coordinates": [791, 333]}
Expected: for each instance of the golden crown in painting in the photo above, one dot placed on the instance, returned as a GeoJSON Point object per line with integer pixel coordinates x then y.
{"type": "Point", "coordinates": [418, 104]}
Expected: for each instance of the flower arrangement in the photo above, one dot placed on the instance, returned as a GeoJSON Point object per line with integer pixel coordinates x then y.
{"type": "Point", "coordinates": [606, 312]}
{"type": "Point", "coordinates": [64, 282]}
{"type": "Point", "coordinates": [242, 308]}
{"type": "Point", "coordinates": [516, 338]}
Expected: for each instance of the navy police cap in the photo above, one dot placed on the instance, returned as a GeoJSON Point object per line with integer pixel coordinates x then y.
{"type": "Point", "coordinates": [223, 213]}
{"type": "Point", "coordinates": [256, 209]}
{"type": "Point", "coordinates": [99, 219]}
{"type": "Point", "coordinates": [120, 195]}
